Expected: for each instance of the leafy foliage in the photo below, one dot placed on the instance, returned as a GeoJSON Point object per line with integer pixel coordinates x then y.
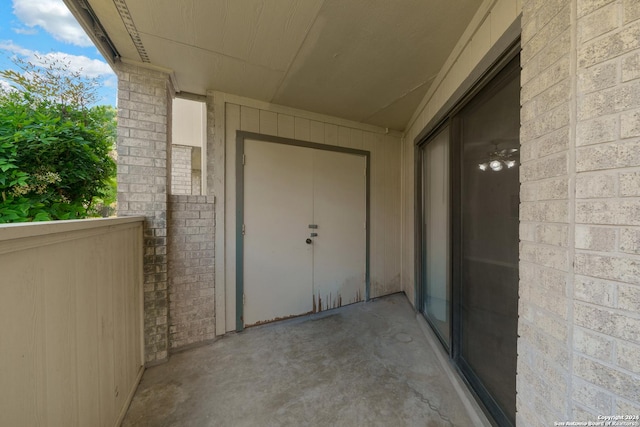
{"type": "Point", "coordinates": [55, 160]}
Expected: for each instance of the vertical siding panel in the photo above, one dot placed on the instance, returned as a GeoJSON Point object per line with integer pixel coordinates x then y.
{"type": "Point", "coordinates": [232, 124]}
{"type": "Point", "coordinates": [407, 218]}
{"type": "Point", "coordinates": [330, 134]}
{"type": "Point", "coordinates": [316, 132]}
{"type": "Point", "coordinates": [393, 217]}
{"type": "Point", "coordinates": [356, 139]}
{"type": "Point", "coordinates": [119, 321]}
{"type": "Point", "coordinates": [87, 334]}
{"type": "Point", "coordinates": [376, 265]}
{"type": "Point", "coordinates": [344, 136]}
{"type": "Point", "coordinates": [106, 351]}
{"type": "Point", "coordinates": [60, 337]}
{"type": "Point", "coordinates": [286, 126]}
{"type": "Point", "coordinates": [249, 119]}
{"type": "Point", "coordinates": [21, 304]}
{"type": "Point", "coordinates": [301, 129]}
{"type": "Point", "coordinates": [268, 122]}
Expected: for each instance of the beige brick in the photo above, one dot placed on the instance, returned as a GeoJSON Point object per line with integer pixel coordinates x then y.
{"type": "Point", "coordinates": [601, 239]}
{"type": "Point", "coordinates": [629, 298]}
{"type": "Point", "coordinates": [594, 291]}
{"type": "Point", "coordinates": [631, 10]}
{"type": "Point", "coordinates": [553, 189]}
{"type": "Point", "coordinates": [598, 22]}
{"type": "Point", "coordinates": [627, 407]}
{"type": "Point", "coordinates": [549, 211]}
{"type": "Point", "coordinates": [548, 256]}
{"type": "Point", "coordinates": [597, 130]}
{"type": "Point", "coordinates": [611, 212]}
{"type": "Point", "coordinates": [608, 267]}
{"type": "Point", "coordinates": [552, 234]}
{"type": "Point", "coordinates": [609, 101]}
{"type": "Point", "coordinates": [588, 6]}
{"type": "Point", "coordinates": [546, 123]}
{"type": "Point", "coordinates": [607, 322]}
{"type": "Point", "coordinates": [630, 124]}
{"type": "Point", "coordinates": [606, 377]}
{"type": "Point", "coordinates": [598, 77]}
{"type": "Point", "coordinates": [592, 397]}
{"type": "Point", "coordinates": [592, 344]}
{"type": "Point", "coordinates": [595, 185]}
{"type": "Point", "coordinates": [553, 350]}
{"type": "Point", "coordinates": [608, 156]}
{"type": "Point", "coordinates": [630, 184]}
{"type": "Point", "coordinates": [547, 167]}
{"type": "Point", "coordinates": [631, 67]}
{"type": "Point", "coordinates": [610, 46]}
{"type": "Point", "coordinates": [630, 240]}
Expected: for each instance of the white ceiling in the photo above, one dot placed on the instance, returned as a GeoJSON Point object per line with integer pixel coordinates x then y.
{"type": "Point", "coordinates": [371, 61]}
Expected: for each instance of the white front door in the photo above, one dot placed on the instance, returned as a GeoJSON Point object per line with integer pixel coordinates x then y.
{"type": "Point", "coordinates": [305, 236]}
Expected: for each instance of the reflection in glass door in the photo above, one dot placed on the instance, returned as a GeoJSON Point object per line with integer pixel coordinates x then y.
{"type": "Point", "coordinates": [488, 262]}
{"type": "Point", "coordinates": [435, 197]}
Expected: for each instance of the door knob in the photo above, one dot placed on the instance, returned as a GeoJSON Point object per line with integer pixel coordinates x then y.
{"type": "Point", "coordinates": [309, 241]}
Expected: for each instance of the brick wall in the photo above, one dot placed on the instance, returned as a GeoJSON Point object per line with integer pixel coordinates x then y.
{"type": "Point", "coordinates": [606, 360]}
{"type": "Point", "coordinates": [181, 169]}
{"type": "Point", "coordinates": [191, 270]}
{"type": "Point", "coordinates": [580, 212]}
{"type": "Point", "coordinates": [143, 147]}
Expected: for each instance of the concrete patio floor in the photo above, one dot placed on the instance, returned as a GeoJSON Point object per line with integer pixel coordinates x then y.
{"type": "Point", "coordinates": [367, 364]}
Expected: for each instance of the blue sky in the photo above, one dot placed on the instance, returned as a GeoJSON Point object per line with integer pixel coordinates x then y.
{"type": "Point", "coordinates": [46, 27]}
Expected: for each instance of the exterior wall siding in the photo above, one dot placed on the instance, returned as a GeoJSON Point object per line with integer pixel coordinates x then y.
{"type": "Point", "coordinates": [606, 337]}
{"type": "Point", "coordinates": [579, 283]}
{"type": "Point", "coordinates": [248, 115]}
{"type": "Point", "coordinates": [544, 347]}
{"type": "Point", "coordinates": [191, 267]}
{"type": "Point", "coordinates": [181, 174]}
{"type": "Point", "coordinates": [144, 148]}
{"type": "Point", "coordinates": [71, 303]}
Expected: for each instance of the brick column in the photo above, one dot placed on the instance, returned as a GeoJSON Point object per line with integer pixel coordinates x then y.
{"type": "Point", "coordinates": [144, 111]}
{"type": "Point", "coordinates": [191, 269]}
{"type": "Point", "coordinates": [580, 213]}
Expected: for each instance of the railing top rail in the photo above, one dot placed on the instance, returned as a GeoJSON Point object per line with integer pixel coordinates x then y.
{"type": "Point", "coordinates": [33, 229]}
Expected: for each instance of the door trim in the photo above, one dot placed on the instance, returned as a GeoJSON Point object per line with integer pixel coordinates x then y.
{"type": "Point", "coordinates": [241, 136]}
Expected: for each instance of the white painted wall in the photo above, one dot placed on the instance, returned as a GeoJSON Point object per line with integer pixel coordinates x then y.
{"type": "Point", "coordinates": [491, 21]}
{"type": "Point", "coordinates": [187, 122]}
{"type": "Point", "coordinates": [71, 346]}
{"type": "Point", "coordinates": [228, 113]}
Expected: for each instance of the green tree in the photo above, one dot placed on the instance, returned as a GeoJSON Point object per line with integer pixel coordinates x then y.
{"type": "Point", "coordinates": [55, 149]}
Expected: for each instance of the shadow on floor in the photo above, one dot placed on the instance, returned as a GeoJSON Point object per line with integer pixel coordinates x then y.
{"type": "Point", "coordinates": [366, 364]}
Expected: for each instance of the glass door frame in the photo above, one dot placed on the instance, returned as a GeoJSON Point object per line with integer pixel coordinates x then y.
{"type": "Point", "coordinates": [492, 80]}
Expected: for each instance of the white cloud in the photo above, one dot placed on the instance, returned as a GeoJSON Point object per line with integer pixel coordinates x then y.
{"type": "Point", "coordinates": [5, 86]}
{"type": "Point", "coordinates": [26, 31]}
{"type": "Point", "coordinates": [54, 17]}
{"type": "Point", "coordinates": [87, 66]}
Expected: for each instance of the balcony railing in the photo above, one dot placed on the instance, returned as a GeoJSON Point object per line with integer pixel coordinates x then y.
{"type": "Point", "coordinates": [71, 310]}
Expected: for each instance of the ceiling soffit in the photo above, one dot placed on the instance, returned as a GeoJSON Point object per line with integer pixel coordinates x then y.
{"type": "Point", "coordinates": [370, 61]}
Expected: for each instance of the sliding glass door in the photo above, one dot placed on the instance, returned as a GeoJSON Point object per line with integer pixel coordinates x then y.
{"type": "Point", "coordinates": [436, 271]}
{"type": "Point", "coordinates": [469, 180]}
{"type": "Point", "coordinates": [488, 263]}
